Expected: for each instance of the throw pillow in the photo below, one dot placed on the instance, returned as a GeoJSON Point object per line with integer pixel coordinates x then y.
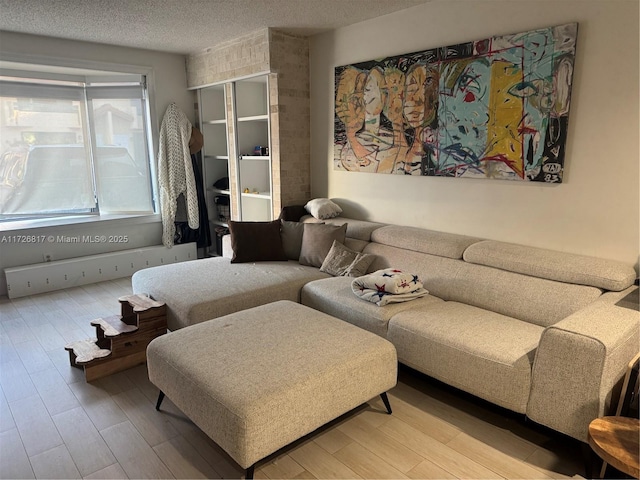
{"type": "Point", "coordinates": [317, 240]}
{"type": "Point", "coordinates": [323, 208]}
{"type": "Point", "coordinates": [291, 234]}
{"type": "Point", "coordinates": [360, 265]}
{"type": "Point", "coordinates": [256, 241]}
{"type": "Point", "coordinates": [342, 261]}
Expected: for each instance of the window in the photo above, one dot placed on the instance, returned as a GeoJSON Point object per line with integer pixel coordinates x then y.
{"type": "Point", "coordinates": [74, 145]}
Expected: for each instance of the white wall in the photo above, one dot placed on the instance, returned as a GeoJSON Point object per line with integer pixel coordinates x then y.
{"type": "Point", "coordinates": [594, 212]}
{"type": "Point", "coordinates": [170, 85]}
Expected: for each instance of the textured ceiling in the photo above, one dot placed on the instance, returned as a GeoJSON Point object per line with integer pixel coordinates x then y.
{"type": "Point", "coordinates": [184, 26]}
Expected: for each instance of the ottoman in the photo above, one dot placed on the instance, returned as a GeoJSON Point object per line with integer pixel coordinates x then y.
{"type": "Point", "coordinates": [256, 380]}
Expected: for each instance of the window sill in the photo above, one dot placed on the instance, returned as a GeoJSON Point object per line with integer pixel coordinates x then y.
{"type": "Point", "coordinates": [22, 226]}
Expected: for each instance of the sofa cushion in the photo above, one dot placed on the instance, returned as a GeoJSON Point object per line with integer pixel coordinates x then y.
{"type": "Point", "coordinates": [355, 244]}
{"type": "Point", "coordinates": [482, 352]}
{"type": "Point", "coordinates": [421, 240]}
{"type": "Point", "coordinates": [560, 266]}
{"type": "Point", "coordinates": [200, 290]}
{"type": "Point", "coordinates": [256, 241]}
{"type": "Point", "coordinates": [357, 229]}
{"type": "Point", "coordinates": [535, 300]}
{"type": "Point", "coordinates": [317, 240]}
{"type": "Point", "coordinates": [334, 296]}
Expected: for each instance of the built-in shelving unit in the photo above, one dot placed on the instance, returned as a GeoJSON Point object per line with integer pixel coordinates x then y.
{"type": "Point", "coordinates": [280, 104]}
{"type": "Point", "coordinates": [251, 108]}
{"type": "Point", "coordinates": [212, 107]}
{"type": "Point", "coordinates": [234, 119]}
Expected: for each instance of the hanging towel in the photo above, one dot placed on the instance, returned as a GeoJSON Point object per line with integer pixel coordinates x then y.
{"type": "Point", "coordinates": [175, 172]}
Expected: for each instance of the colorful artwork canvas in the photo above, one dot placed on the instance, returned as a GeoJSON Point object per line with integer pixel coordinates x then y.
{"type": "Point", "coordinates": [493, 108]}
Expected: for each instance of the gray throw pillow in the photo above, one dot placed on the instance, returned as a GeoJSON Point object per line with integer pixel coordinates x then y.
{"type": "Point", "coordinates": [291, 233]}
{"type": "Point", "coordinates": [317, 240]}
{"type": "Point", "coordinates": [342, 261]}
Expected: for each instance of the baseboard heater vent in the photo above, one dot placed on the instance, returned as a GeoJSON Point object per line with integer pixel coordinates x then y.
{"type": "Point", "coordinates": [50, 276]}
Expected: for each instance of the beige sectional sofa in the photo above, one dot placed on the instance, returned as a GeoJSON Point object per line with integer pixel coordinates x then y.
{"type": "Point", "coordinates": [535, 331]}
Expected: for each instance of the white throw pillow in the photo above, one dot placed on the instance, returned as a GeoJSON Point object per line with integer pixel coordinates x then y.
{"type": "Point", "coordinates": [322, 208]}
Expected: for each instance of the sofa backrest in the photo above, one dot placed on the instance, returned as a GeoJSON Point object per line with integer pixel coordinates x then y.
{"type": "Point", "coordinates": [531, 284]}
{"type": "Point", "coordinates": [435, 272]}
{"type": "Point", "coordinates": [497, 286]}
{"type": "Point", "coordinates": [535, 300]}
{"type": "Point", "coordinates": [551, 264]}
{"type": "Point", "coordinates": [435, 256]}
{"type": "Point", "coordinates": [422, 240]}
{"type": "Point", "coordinates": [358, 231]}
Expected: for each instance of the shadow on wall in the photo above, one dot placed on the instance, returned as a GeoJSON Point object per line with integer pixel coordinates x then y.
{"type": "Point", "coordinates": [351, 209]}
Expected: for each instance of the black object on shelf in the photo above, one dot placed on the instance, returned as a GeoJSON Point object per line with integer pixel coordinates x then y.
{"type": "Point", "coordinates": [223, 204]}
{"type": "Point", "coordinates": [220, 232]}
{"type": "Point", "coordinates": [222, 183]}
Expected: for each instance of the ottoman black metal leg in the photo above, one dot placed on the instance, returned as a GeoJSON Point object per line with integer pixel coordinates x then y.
{"type": "Point", "coordinates": [249, 474]}
{"type": "Point", "coordinates": [160, 398]}
{"type": "Point", "coordinates": [385, 400]}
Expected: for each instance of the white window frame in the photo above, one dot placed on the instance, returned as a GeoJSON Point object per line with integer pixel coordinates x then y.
{"type": "Point", "coordinates": [62, 68]}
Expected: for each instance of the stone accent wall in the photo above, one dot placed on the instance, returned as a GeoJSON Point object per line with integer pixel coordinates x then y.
{"type": "Point", "coordinates": [289, 58]}
{"type": "Point", "coordinates": [240, 57]}
{"type": "Point", "coordinates": [276, 162]}
{"type": "Point", "coordinates": [286, 57]}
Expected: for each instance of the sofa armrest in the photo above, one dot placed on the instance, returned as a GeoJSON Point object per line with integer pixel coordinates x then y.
{"type": "Point", "coordinates": [227, 249]}
{"type": "Point", "coordinates": [292, 213]}
{"type": "Point", "coordinates": [580, 362]}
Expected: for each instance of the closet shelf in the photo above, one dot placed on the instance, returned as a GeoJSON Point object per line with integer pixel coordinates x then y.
{"type": "Point", "coordinates": [263, 195]}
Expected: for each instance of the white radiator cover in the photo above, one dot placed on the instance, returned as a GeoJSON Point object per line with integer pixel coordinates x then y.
{"type": "Point", "coordinates": [50, 276]}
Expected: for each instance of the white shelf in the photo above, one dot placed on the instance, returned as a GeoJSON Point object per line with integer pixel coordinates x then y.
{"type": "Point", "coordinates": [263, 195]}
{"type": "Point", "coordinates": [255, 157]}
{"type": "Point", "coordinates": [218, 191]}
{"type": "Point", "coordinates": [216, 157]}
{"type": "Point", "coordinates": [218, 223]}
{"type": "Point", "coordinates": [222, 121]}
{"type": "Point", "coordinates": [262, 118]}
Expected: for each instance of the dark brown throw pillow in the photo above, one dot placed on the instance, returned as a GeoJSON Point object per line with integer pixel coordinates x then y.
{"type": "Point", "coordinates": [317, 240]}
{"type": "Point", "coordinates": [256, 242]}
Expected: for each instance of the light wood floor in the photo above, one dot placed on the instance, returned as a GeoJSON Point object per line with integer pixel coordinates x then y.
{"type": "Point", "coordinates": [55, 425]}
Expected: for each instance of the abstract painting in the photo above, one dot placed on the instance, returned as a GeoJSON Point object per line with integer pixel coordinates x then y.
{"type": "Point", "coordinates": [493, 108]}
